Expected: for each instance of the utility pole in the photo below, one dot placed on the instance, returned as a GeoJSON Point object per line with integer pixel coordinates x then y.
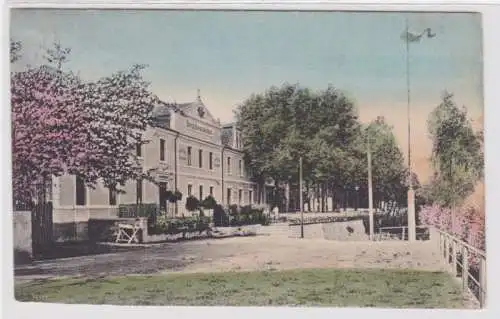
{"type": "Point", "coordinates": [370, 191]}
{"type": "Point", "coordinates": [301, 200]}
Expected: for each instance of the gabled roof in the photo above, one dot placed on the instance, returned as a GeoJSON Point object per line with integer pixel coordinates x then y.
{"type": "Point", "coordinates": [198, 110]}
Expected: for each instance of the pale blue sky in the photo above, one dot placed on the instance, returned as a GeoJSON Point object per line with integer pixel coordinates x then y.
{"type": "Point", "coordinates": [229, 55]}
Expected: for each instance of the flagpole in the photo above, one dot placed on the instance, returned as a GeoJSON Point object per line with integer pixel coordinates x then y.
{"type": "Point", "coordinates": [411, 195]}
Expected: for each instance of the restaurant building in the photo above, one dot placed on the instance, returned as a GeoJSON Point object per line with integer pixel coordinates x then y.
{"type": "Point", "coordinates": [188, 149]}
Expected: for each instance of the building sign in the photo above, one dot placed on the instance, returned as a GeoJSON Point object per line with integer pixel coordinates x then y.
{"type": "Point", "coordinates": [217, 162]}
{"type": "Point", "coordinates": [198, 127]}
{"type": "Point", "coordinates": [183, 154]}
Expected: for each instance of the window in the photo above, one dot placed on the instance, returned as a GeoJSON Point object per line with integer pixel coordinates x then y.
{"type": "Point", "coordinates": [112, 195]}
{"type": "Point", "coordinates": [210, 160]}
{"type": "Point", "coordinates": [189, 156]}
{"type": "Point", "coordinates": [240, 167]}
{"type": "Point", "coordinates": [138, 190]}
{"type": "Point", "coordinates": [211, 191]}
{"type": "Point", "coordinates": [200, 158]}
{"type": "Point", "coordinates": [162, 149]}
{"type": "Point", "coordinates": [229, 196]}
{"type": "Point", "coordinates": [250, 197]}
{"type": "Point", "coordinates": [80, 191]}
{"type": "Point", "coordinates": [229, 165]}
{"type": "Point", "coordinates": [190, 190]}
{"type": "Point", "coordinates": [201, 192]}
{"type": "Point", "coordinates": [138, 146]}
{"type": "Point", "coordinates": [240, 193]}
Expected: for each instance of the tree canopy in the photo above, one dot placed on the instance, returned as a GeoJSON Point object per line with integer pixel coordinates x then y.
{"type": "Point", "coordinates": [457, 154]}
{"type": "Point", "coordinates": [285, 123]}
{"type": "Point", "coordinates": [62, 124]}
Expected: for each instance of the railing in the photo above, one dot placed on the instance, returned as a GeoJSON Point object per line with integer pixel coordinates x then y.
{"type": "Point", "coordinates": [458, 255]}
{"type": "Point", "coordinates": [401, 233]}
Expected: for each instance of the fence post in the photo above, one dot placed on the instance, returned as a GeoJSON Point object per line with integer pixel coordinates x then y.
{"type": "Point", "coordinates": [454, 257]}
{"type": "Point", "coordinates": [403, 236]}
{"type": "Point", "coordinates": [465, 268]}
{"type": "Point", "coordinates": [482, 282]}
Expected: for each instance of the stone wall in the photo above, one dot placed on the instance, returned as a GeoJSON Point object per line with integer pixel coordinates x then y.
{"type": "Point", "coordinates": [345, 231]}
{"type": "Point", "coordinates": [310, 231]}
{"type": "Point", "coordinates": [72, 224]}
{"type": "Point", "coordinates": [23, 251]}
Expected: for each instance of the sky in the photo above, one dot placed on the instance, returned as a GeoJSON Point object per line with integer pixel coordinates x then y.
{"type": "Point", "coordinates": [229, 55]}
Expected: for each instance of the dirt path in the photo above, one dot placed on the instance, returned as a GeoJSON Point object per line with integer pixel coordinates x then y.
{"type": "Point", "coordinates": [284, 253]}
{"type": "Point", "coordinates": [241, 253]}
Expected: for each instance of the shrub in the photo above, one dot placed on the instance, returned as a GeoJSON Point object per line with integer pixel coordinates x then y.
{"type": "Point", "coordinates": [247, 209]}
{"type": "Point", "coordinates": [192, 203]}
{"type": "Point", "coordinates": [177, 196]}
{"type": "Point", "coordinates": [234, 209]}
{"type": "Point", "coordinates": [465, 223]}
{"type": "Point", "coordinates": [138, 210]}
{"type": "Point", "coordinates": [209, 202]}
{"type": "Point", "coordinates": [220, 217]}
{"type": "Point", "coordinates": [175, 226]}
{"type": "Point", "coordinates": [169, 195]}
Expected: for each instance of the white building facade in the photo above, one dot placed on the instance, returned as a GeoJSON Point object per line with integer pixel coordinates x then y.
{"type": "Point", "coordinates": [190, 151]}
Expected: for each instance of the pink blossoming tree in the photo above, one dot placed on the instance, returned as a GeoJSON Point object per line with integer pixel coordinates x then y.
{"type": "Point", "coordinates": [61, 124]}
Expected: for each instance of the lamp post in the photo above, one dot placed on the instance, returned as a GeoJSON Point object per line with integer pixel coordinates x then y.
{"type": "Point", "coordinates": [410, 37]}
{"type": "Point", "coordinates": [370, 191]}
{"type": "Point", "coordinates": [345, 198]}
{"type": "Point", "coordinates": [357, 197]}
{"type": "Point", "coordinates": [301, 201]}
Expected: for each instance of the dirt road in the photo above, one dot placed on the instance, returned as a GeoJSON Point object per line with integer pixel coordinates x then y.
{"type": "Point", "coordinates": [241, 253]}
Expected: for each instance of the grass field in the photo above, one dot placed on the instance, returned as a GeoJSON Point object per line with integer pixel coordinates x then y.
{"type": "Point", "coordinates": [310, 287]}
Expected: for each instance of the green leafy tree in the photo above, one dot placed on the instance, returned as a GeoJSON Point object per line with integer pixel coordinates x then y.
{"type": "Point", "coordinates": [457, 154]}
{"type": "Point", "coordinates": [389, 173]}
{"type": "Point", "coordinates": [286, 123]}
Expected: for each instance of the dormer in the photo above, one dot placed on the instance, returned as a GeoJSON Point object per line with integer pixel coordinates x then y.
{"type": "Point", "coordinates": [162, 115]}
{"type": "Point", "coordinates": [231, 136]}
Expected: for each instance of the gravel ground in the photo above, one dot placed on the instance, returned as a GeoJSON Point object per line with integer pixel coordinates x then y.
{"type": "Point", "coordinates": [240, 253]}
{"type": "Point", "coordinates": [278, 253]}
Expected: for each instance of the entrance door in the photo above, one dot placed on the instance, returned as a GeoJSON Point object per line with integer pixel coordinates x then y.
{"type": "Point", "coordinates": [229, 196]}
{"type": "Point", "coordinates": [162, 187]}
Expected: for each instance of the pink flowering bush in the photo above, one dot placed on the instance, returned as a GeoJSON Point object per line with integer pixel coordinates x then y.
{"type": "Point", "coordinates": [465, 223]}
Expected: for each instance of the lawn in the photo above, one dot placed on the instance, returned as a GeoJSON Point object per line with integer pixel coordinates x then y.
{"type": "Point", "coordinates": [304, 287]}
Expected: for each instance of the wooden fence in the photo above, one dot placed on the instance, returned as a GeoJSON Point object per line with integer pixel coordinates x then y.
{"type": "Point", "coordinates": [467, 262]}
{"type": "Point", "coordinates": [463, 259]}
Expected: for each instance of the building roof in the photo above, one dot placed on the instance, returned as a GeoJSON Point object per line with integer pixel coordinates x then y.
{"type": "Point", "coordinates": [163, 109]}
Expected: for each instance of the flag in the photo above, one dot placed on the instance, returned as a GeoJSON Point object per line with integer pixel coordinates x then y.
{"type": "Point", "coordinates": [412, 37]}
